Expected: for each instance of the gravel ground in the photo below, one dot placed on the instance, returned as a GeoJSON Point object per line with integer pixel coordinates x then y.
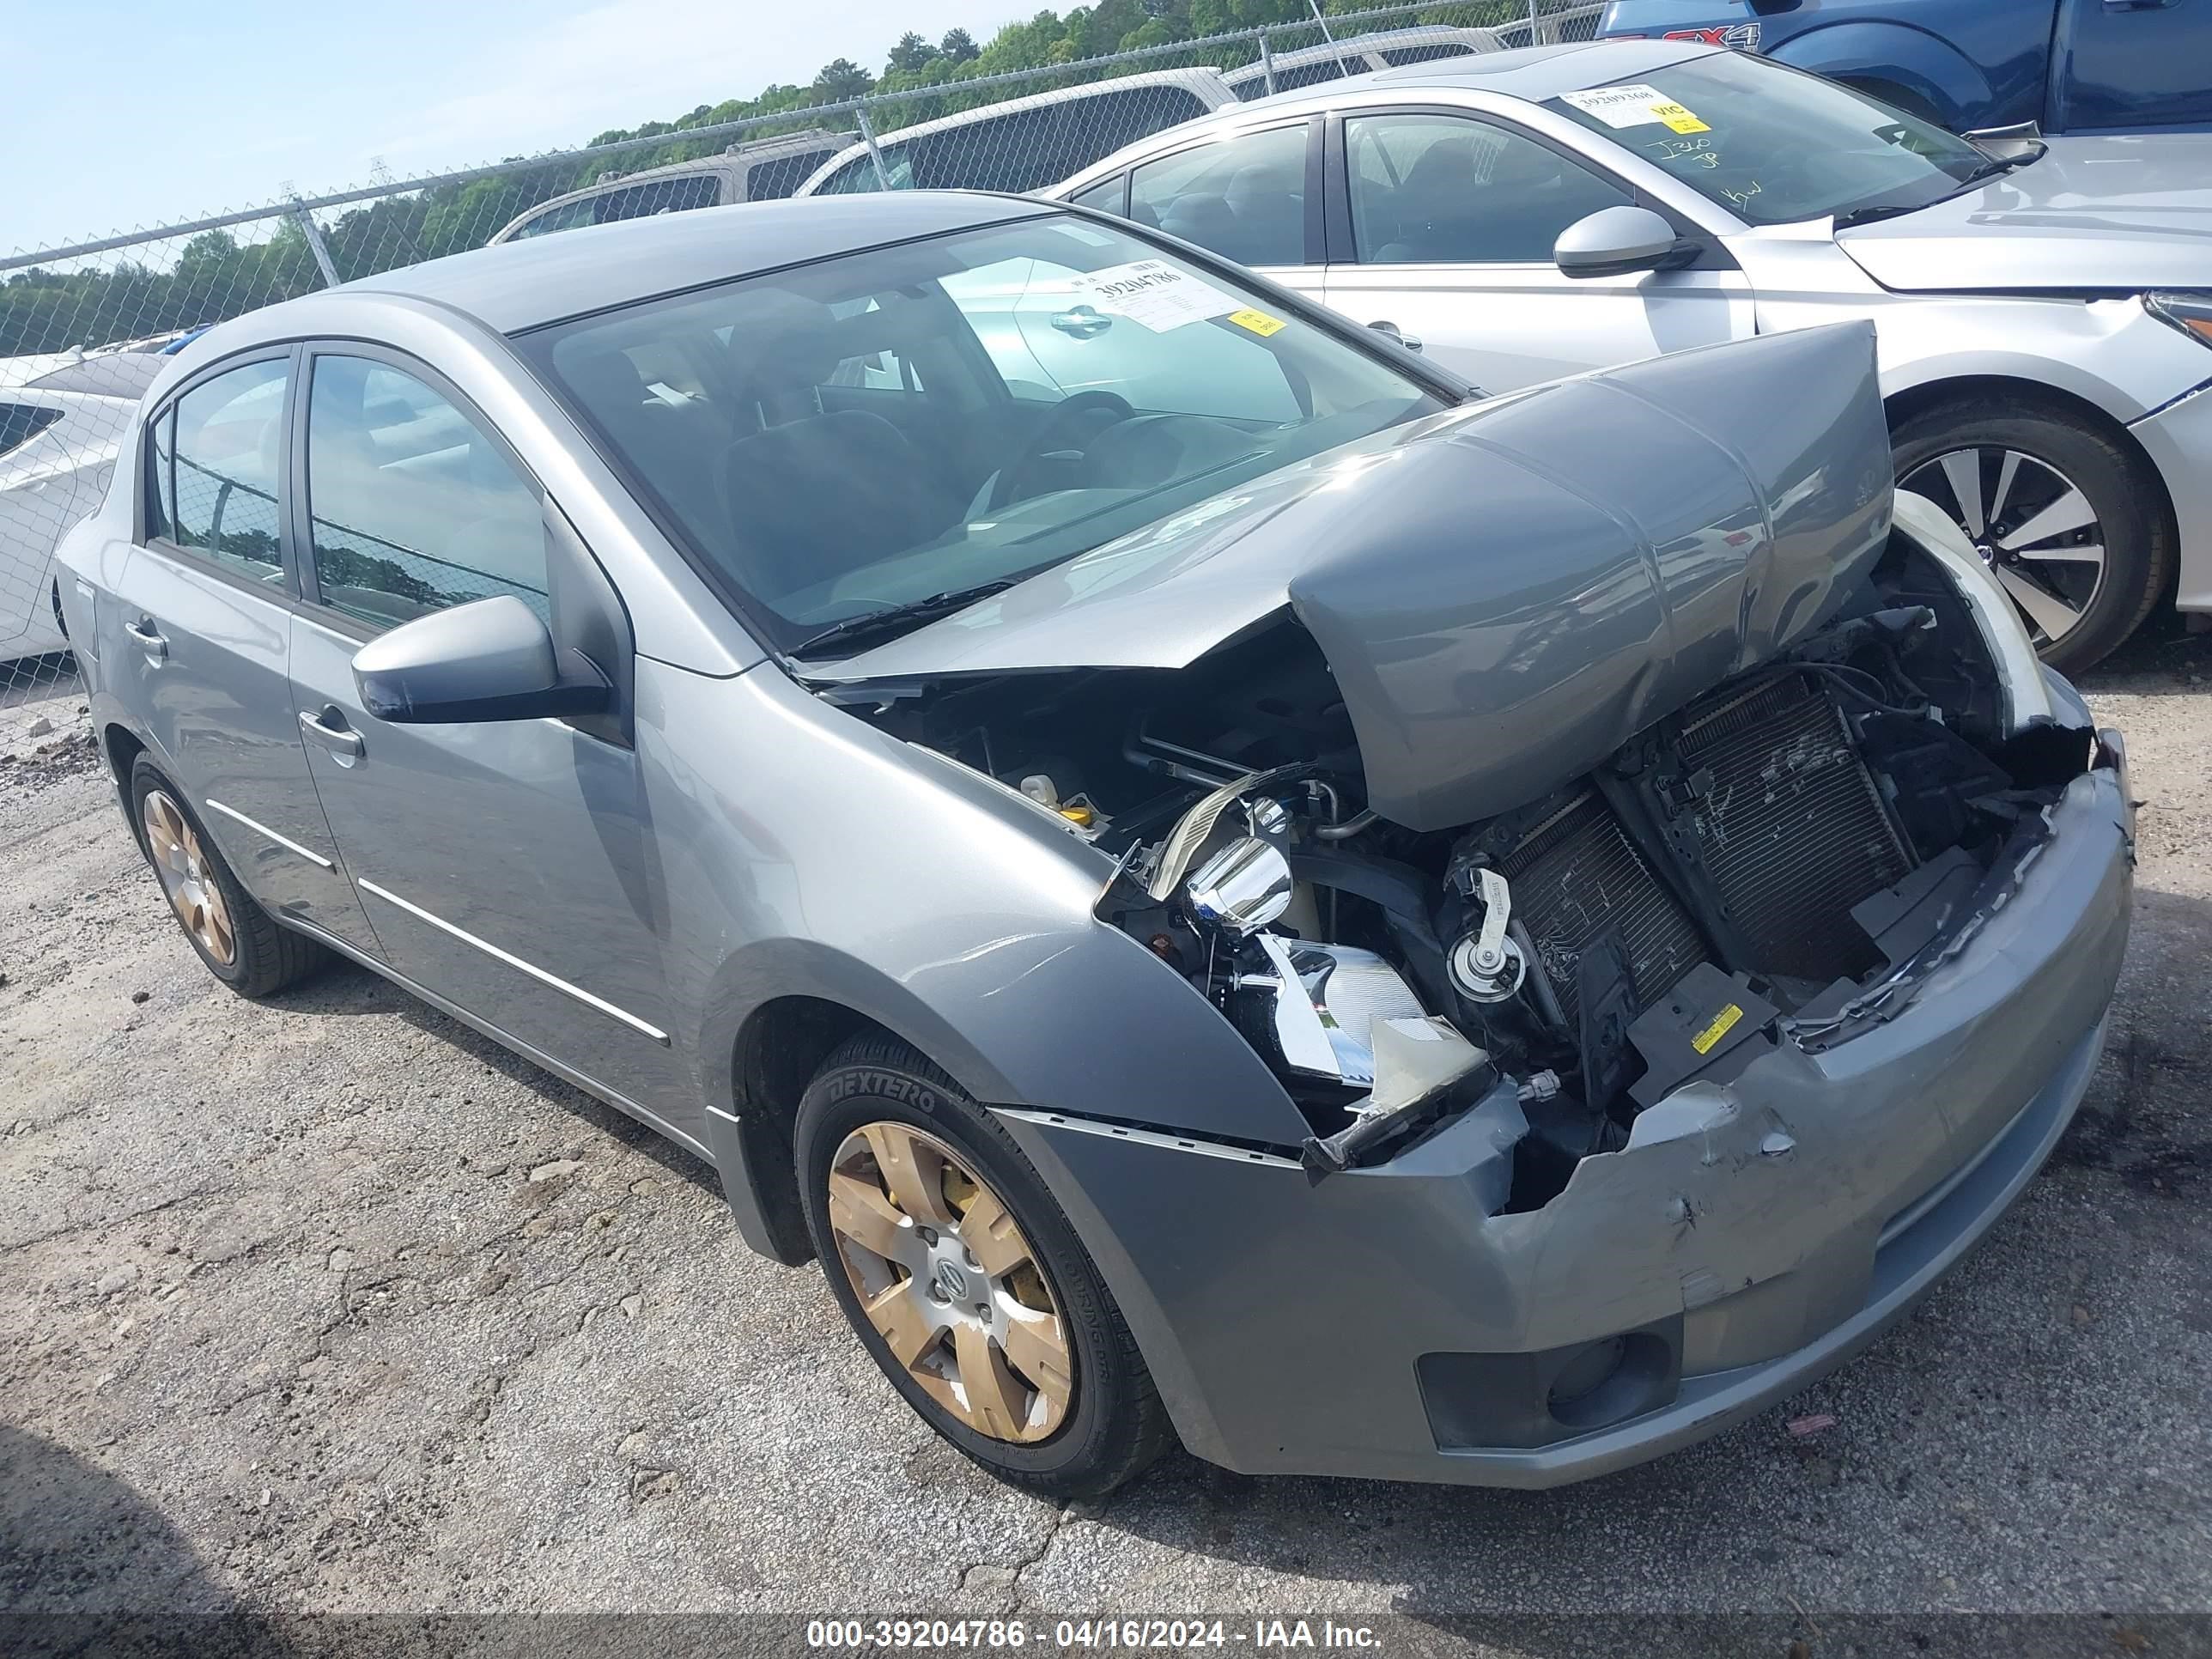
{"type": "Point", "coordinates": [328, 1305]}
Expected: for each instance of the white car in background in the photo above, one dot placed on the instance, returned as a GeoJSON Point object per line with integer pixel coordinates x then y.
{"type": "Point", "coordinates": [760, 170]}
{"type": "Point", "coordinates": [1023, 144]}
{"type": "Point", "coordinates": [2043, 310]}
{"type": "Point", "coordinates": [60, 427]}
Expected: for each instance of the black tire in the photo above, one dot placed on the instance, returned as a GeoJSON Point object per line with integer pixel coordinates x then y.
{"type": "Point", "coordinates": [1115, 1424]}
{"type": "Point", "coordinates": [266, 957]}
{"type": "Point", "coordinates": [2129, 503]}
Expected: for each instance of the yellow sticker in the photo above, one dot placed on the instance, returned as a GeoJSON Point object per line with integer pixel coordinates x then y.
{"type": "Point", "coordinates": [1677, 119]}
{"type": "Point", "coordinates": [1258, 321]}
{"type": "Point", "coordinates": [1723, 1023]}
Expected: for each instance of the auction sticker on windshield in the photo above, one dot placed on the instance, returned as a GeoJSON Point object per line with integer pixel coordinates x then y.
{"type": "Point", "coordinates": [1155, 294]}
{"type": "Point", "coordinates": [1635, 106]}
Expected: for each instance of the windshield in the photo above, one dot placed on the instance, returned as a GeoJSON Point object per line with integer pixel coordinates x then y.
{"type": "Point", "coordinates": [1774, 145]}
{"type": "Point", "coordinates": [886, 427]}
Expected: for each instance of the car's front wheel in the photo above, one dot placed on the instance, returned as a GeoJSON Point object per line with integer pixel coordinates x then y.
{"type": "Point", "coordinates": [2064, 518]}
{"type": "Point", "coordinates": [963, 1280]}
{"type": "Point", "coordinates": [237, 941]}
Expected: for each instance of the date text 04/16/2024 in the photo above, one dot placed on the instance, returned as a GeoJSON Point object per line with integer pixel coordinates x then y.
{"type": "Point", "coordinates": [1262, 1635]}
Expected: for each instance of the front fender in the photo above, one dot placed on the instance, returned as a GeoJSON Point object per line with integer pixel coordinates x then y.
{"type": "Point", "coordinates": [811, 854]}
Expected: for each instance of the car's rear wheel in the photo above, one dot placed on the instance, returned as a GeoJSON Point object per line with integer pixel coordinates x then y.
{"type": "Point", "coordinates": [2064, 518]}
{"type": "Point", "coordinates": [965, 1282]}
{"type": "Point", "coordinates": [237, 940]}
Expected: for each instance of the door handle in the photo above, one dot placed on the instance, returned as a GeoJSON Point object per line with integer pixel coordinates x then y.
{"type": "Point", "coordinates": [1391, 331]}
{"type": "Point", "coordinates": [2137, 5]}
{"type": "Point", "coordinates": [148, 638]}
{"type": "Point", "coordinates": [339, 739]}
{"type": "Point", "coordinates": [1082, 322]}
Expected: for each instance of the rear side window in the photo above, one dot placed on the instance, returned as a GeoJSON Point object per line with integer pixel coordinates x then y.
{"type": "Point", "coordinates": [656, 195]}
{"type": "Point", "coordinates": [1109, 196]}
{"type": "Point", "coordinates": [223, 456]}
{"type": "Point", "coordinates": [567, 216]}
{"type": "Point", "coordinates": [414, 506]}
{"type": "Point", "coordinates": [1021, 150]}
{"type": "Point", "coordinates": [774, 180]}
{"type": "Point", "coordinates": [1244, 197]}
{"type": "Point", "coordinates": [21, 423]}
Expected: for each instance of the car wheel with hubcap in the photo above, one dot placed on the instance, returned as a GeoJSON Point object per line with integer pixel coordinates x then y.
{"type": "Point", "coordinates": [2062, 517]}
{"type": "Point", "coordinates": [965, 1280]}
{"type": "Point", "coordinates": [237, 941]}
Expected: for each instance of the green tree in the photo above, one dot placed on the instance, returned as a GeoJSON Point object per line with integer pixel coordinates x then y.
{"type": "Point", "coordinates": [958, 46]}
{"type": "Point", "coordinates": [841, 79]}
{"type": "Point", "coordinates": [911, 53]}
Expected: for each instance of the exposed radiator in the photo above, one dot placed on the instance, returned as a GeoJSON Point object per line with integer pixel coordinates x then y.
{"type": "Point", "coordinates": [1576, 875]}
{"type": "Point", "coordinates": [1790, 827]}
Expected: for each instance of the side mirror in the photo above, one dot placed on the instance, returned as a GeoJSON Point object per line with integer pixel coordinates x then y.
{"type": "Point", "coordinates": [1615, 241]}
{"type": "Point", "coordinates": [492, 660]}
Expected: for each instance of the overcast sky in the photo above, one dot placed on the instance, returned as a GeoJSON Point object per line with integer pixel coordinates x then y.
{"type": "Point", "coordinates": [135, 112]}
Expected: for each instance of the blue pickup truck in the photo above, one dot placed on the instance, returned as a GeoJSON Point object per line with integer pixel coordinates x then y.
{"type": "Point", "coordinates": [2072, 66]}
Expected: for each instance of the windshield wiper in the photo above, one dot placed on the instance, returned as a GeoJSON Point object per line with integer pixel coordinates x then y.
{"type": "Point", "coordinates": [1874, 210]}
{"type": "Point", "coordinates": [896, 619]}
{"type": "Point", "coordinates": [1983, 172]}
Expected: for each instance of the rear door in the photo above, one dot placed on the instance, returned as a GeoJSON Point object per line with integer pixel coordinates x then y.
{"type": "Point", "coordinates": [202, 655]}
{"type": "Point", "coordinates": [1440, 229]}
{"type": "Point", "coordinates": [509, 867]}
{"type": "Point", "coordinates": [2132, 63]}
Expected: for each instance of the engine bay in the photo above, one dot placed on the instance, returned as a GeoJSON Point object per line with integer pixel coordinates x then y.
{"type": "Point", "coordinates": [1782, 861]}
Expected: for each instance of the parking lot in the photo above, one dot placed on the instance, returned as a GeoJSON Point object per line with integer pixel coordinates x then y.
{"type": "Point", "coordinates": [329, 1305]}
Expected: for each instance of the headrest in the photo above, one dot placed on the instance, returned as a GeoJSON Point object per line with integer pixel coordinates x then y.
{"type": "Point", "coordinates": [783, 342]}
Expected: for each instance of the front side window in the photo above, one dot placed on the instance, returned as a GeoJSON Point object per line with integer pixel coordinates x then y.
{"type": "Point", "coordinates": [414, 508]}
{"type": "Point", "coordinates": [925, 419]}
{"type": "Point", "coordinates": [1774, 145]}
{"type": "Point", "coordinates": [1438, 189]}
{"type": "Point", "coordinates": [222, 455]}
{"type": "Point", "coordinates": [1244, 197]}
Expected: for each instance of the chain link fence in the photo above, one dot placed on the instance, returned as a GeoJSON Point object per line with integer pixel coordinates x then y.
{"type": "Point", "coordinates": [85, 328]}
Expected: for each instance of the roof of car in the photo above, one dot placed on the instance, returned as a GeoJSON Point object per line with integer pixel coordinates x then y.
{"type": "Point", "coordinates": [520, 285]}
{"type": "Point", "coordinates": [1534, 73]}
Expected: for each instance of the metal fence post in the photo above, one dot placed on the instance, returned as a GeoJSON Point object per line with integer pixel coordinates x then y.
{"type": "Point", "coordinates": [313, 233]}
{"type": "Point", "coordinates": [1314, 6]}
{"type": "Point", "coordinates": [1268, 63]}
{"type": "Point", "coordinates": [868, 137]}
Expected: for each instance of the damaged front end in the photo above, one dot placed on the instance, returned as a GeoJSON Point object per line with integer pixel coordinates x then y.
{"type": "Point", "coordinates": [1785, 862]}
{"type": "Point", "coordinates": [1601, 780]}
{"type": "Point", "coordinates": [1666, 904]}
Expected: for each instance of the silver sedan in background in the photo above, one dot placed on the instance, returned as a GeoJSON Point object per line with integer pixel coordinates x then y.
{"type": "Point", "coordinates": [2043, 309]}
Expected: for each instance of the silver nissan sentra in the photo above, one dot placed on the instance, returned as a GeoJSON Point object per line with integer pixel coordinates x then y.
{"type": "Point", "coordinates": [1225, 884]}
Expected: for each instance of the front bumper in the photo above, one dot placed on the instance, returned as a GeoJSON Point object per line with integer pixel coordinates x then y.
{"type": "Point", "coordinates": [2179, 440]}
{"type": "Point", "coordinates": [1387, 1324]}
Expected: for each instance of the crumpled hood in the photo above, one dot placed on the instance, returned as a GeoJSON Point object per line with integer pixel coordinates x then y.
{"type": "Point", "coordinates": [2115, 213]}
{"type": "Point", "coordinates": [1505, 592]}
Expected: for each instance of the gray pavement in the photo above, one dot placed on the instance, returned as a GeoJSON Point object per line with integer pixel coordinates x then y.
{"type": "Point", "coordinates": [330, 1305]}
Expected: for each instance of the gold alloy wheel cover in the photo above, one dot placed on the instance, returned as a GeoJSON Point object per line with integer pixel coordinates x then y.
{"type": "Point", "coordinates": [946, 1279]}
{"type": "Point", "coordinates": [182, 868]}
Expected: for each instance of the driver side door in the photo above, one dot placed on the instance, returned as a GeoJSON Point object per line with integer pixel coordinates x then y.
{"type": "Point", "coordinates": [509, 867]}
{"type": "Point", "coordinates": [1442, 234]}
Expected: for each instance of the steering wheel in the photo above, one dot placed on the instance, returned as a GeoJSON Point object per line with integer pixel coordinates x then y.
{"type": "Point", "coordinates": [1059, 430]}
